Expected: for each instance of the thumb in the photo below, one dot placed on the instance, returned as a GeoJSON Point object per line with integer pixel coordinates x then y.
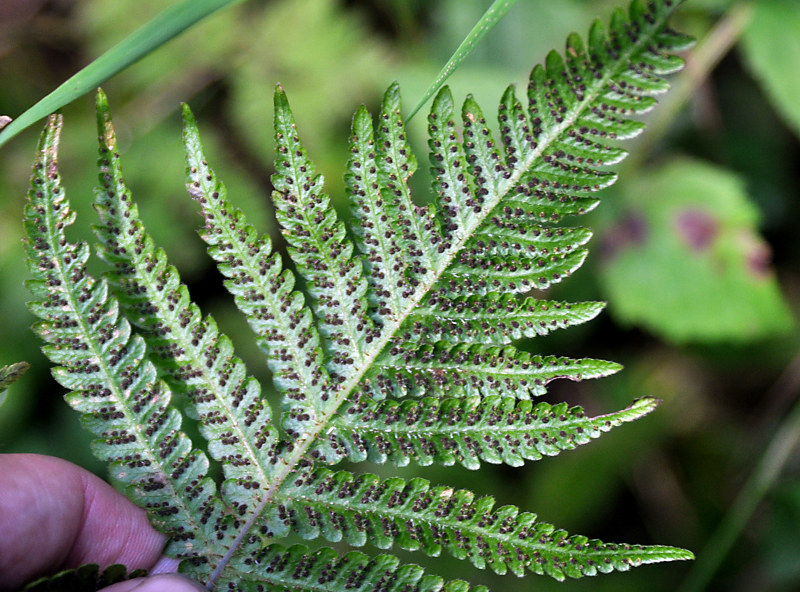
{"type": "Point", "coordinates": [161, 583]}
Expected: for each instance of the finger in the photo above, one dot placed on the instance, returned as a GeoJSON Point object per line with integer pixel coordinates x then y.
{"type": "Point", "coordinates": [165, 583]}
{"type": "Point", "coordinates": [55, 515]}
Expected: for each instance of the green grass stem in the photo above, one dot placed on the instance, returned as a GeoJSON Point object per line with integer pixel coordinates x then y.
{"type": "Point", "coordinates": [490, 18]}
{"type": "Point", "coordinates": [170, 23]}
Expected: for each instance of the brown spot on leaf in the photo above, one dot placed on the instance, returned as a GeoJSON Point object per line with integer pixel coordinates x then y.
{"type": "Point", "coordinates": [758, 259]}
{"type": "Point", "coordinates": [630, 231]}
{"type": "Point", "coordinates": [697, 228]}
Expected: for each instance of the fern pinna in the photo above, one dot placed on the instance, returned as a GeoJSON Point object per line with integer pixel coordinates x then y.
{"type": "Point", "coordinates": [398, 348]}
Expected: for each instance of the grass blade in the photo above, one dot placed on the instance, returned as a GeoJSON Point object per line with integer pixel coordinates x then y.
{"type": "Point", "coordinates": [170, 23]}
{"type": "Point", "coordinates": [490, 18]}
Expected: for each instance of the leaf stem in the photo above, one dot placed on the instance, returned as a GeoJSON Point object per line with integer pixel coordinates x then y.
{"type": "Point", "coordinates": [169, 24]}
{"type": "Point", "coordinates": [486, 23]}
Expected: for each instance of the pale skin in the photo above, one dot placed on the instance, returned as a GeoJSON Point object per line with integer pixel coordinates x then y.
{"type": "Point", "coordinates": [55, 515]}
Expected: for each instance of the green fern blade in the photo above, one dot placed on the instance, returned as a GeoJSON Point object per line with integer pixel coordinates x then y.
{"type": "Point", "coordinates": [493, 319]}
{"type": "Point", "coordinates": [262, 290]}
{"type": "Point", "coordinates": [278, 569]}
{"type": "Point", "coordinates": [503, 275]}
{"type": "Point", "coordinates": [515, 130]}
{"type": "Point", "coordinates": [515, 258]}
{"type": "Point", "coordinates": [194, 357]}
{"type": "Point", "coordinates": [488, 265]}
{"type": "Point", "coordinates": [486, 167]}
{"type": "Point", "coordinates": [113, 384]}
{"type": "Point", "coordinates": [441, 369]}
{"type": "Point", "coordinates": [415, 516]}
{"type": "Point", "coordinates": [564, 177]}
{"type": "Point", "coordinates": [433, 250]}
{"type": "Point", "coordinates": [319, 247]}
{"type": "Point", "coordinates": [465, 431]}
{"type": "Point", "coordinates": [583, 151]}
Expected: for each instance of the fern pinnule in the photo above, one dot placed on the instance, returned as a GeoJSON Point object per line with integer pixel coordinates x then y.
{"type": "Point", "coordinates": [113, 384]}
{"type": "Point", "coordinates": [417, 517]}
{"type": "Point", "coordinates": [262, 288]}
{"type": "Point", "coordinates": [494, 319]}
{"type": "Point", "coordinates": [190, 352]}
{"type": "Point", "coordinates": [414, 369]}
{"type": "Point", "coordinates": [318, 245]}
{"type": "Point", "coordinates": [377, 240]}
{"type": "Point", "coordinates": [466, 431]}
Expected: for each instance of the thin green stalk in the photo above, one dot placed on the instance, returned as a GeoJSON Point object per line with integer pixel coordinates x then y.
{"type": "Point", "coordinates": [490, 18]}
{"type": "Point", "coordinates": [783, 444]}
{"type": "Point", "coordinates": [164, 27]}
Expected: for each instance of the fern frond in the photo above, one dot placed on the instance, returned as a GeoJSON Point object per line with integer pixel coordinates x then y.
{"type": "Point", "coordinates": [418, 517]}
{"type": "Point", "coordinates": [493, 232]}
{"type": "Point", "coordinates": [467, 431]}
{"type": "Point", "coordinates": [195, 358]}
{"type": "Point", "coordinates": [403, 351]}
{"type": "Point", "coordinates": [112, 383]}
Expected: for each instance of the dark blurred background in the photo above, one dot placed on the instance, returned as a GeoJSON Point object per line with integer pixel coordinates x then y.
{"type": "Point", "coordinates": [696, 249]}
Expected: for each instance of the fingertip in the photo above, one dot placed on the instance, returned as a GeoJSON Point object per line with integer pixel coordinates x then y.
{"type": "Point", "coordinates": [161, 583]}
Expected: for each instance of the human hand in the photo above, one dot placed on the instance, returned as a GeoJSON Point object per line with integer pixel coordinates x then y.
{"type": "Point", "coordinates": [55, 515]}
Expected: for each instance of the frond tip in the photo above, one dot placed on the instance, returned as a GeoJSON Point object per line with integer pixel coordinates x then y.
{"type": "Point", "coordinates": [391, 338]}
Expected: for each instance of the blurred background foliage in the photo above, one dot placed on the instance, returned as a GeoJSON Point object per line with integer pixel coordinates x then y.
{"type": "Point", "coordinates": [696, 249]}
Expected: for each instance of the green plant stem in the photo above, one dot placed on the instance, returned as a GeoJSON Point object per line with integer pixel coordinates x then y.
{"type": "Point", "coordinates": [490, 18]}
{"type": "Point", "coordinates": [784, 442]}
{"type": "Point", "coordinates": [699, 66]}
{"type": "Point", "coordinates": [164, 27]}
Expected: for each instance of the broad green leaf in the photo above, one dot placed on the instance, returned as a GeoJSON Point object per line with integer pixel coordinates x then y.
{"type": "Point", "coordinates": [771, 47]}
{"type": "Point", "coordinates": [690, 265]}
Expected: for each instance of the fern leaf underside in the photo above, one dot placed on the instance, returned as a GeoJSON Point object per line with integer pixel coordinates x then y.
{"type": "Point", "coordinates": [399, 348]}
